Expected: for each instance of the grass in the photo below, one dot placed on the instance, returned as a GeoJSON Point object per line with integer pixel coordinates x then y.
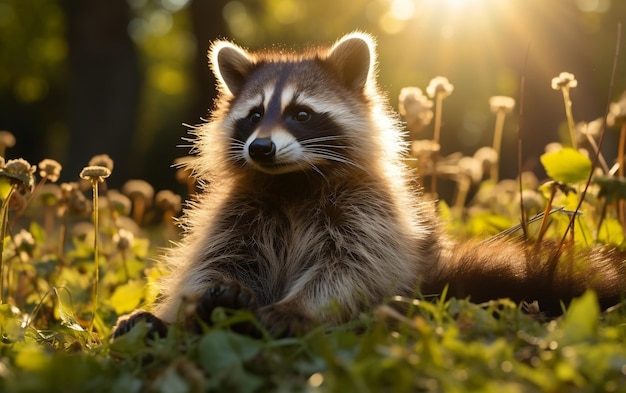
{"type": "Point", "coordinates": [452, 346]}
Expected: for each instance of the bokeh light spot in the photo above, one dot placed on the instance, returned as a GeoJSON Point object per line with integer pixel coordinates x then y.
{"type": "Point", "coordinates": [402, 9]}
{"type": "Point", "coordinates": [29, 89]}
{"type": "Point", "coordinates": [238, 19]}
{"type": "Point", "coordinates": [598, 6]}
{"type": "Point", "coordinates": [287, 11]}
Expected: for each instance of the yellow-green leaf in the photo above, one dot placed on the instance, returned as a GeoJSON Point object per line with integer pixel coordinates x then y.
{"type": "Point", "coordinates": [581, 320]}
{"type": "Point", "coordinates": [127, 297]}
{"type": "Point", "coordinates": [567, 165]}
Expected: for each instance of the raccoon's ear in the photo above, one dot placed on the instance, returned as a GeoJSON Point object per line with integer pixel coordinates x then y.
{"type": "Point", "coordinates": [353, 58]}
{"type": "Point", "coordinates": [230, 64]}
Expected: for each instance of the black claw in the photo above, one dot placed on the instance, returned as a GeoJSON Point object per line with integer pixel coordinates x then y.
{"type": "Point", "coordinates": [158, 328]}
{"type": "Point", "coordinates": [230, 295]}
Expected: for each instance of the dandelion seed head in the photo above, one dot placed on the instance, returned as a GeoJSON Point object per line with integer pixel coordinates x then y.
{"type": "Point", "coordinates": [68, 188]}
{"type": "Point", "coordinates": [95, 173]}
{"type": "Point", "coordinates": [487, 155]}
{"type": "Point", "coordinates": [565, 80]}
{"type": "Point", "coordinates": [102, 160]}
{"type": "Point", "coordinates": [138, 188]}
{"type": "Point", "coordinates": [552, 147]}
{"type": "Point", "coordinates": [50, 169]}
{"type": "Point", "coordinates": [617, 111]}
{"type": "Point", "coordinates": [501, 104]}
{"type": "Point", "coordinates": [124, 239]}
{"type": "Point", "coordinates": [82, 230]}
{"type": "Point", "coordinates": [439, 85]}
{"type": "Point", "coordinates": [415, 107]}
{"type": "Point", "coordinates": [21, 171]}
{"type": "Point", "coordinates": [24, 241]}
{"type": "Point", "coordinates": [7, 139]}
{"type": "Point", "coordinates": [119, 202]}
{"type": "Point", "coordinates": [168, 201]}
{"type": "Point", "coordinates": [591, 128]}
{"type": "Point", "coordinates": [472, 168]}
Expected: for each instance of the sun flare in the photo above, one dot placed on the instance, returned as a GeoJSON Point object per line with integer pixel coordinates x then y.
{"type": "Point", "coordinates": [460, 4]}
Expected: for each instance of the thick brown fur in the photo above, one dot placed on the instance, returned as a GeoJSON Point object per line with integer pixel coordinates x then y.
{"type": "Point", "coordinates": [332, 228]}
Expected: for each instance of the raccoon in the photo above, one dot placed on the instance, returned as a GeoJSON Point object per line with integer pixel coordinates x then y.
{"type": "Point", "coordinates": [308, 213]}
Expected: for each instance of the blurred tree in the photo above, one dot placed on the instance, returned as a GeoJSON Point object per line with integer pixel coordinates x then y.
{"type": "Point", "coordinates": [105, 83]}
{"type": "Point", "coordinates": [33, 50]}
{"type": "Point", "coordinates": [208, 24]}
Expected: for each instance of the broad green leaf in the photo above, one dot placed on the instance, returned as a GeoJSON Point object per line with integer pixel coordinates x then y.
{"type": "Point", "coordinates": [171, 381]}
{"type": "Point", "coordinates": [611, 187]}
{"type": "Point", "coordinates": [611, 232]}
{"type": "Point", "coordinates": [488, 224]}
{"type": "Point", "coordinates": [581, 320]}
{"type": "Point", "coordinates": [222, 350]}
{"type": "Point", "coordinates": [566, 165]}
{"type": "Point", "coordinates": [32, 357]}
{"type": "Point", "coordinates": [132, 342]}
{"type": "Point", "coordinates": [126, 297]}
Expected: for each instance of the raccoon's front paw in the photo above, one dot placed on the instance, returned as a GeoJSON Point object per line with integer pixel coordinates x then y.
{"type": "Point", "coordinates": [285, 320]}
{"type": "Point", "coordinates": [157, 328]}
{"type": "Point", "coordinates": [228, 294]}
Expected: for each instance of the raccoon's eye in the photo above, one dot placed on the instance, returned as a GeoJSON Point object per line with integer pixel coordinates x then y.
{"type": "Point", "coordinates": [255, 117]}
{"type": "Point", "coordinates": [302, 115]}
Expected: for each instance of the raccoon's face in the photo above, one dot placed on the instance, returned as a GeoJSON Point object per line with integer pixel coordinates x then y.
{"type": "Point", "coordinates": [294, 114]}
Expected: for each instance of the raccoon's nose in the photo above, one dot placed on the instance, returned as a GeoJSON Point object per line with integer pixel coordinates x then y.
{"type": "Point", "coordinates": [262, 149]}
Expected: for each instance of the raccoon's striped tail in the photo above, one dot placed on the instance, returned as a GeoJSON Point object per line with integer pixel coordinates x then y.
{"type": "Point", "coordinates": [527, 271]}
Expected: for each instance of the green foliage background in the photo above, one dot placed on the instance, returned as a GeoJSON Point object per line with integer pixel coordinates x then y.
{"type": "Point", "coordinates": [435, 345]}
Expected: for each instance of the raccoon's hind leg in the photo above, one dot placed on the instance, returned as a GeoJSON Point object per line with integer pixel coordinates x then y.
{"type": "Point", "coordinates": [197, 312]}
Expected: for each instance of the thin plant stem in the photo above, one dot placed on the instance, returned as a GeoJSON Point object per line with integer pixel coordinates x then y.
{"type": "Point", "coordinates": [94, 183]}
{"type": "Point", "coordinates": [519, 144]}
{"type": "Point", "coordinates": [436, 138]}
{"type": "Point", "coordinates": [570, 118]}
{"type": "Point", "coordinates": [497, 144]}
{"type": "Point", "coordinates": [62, 236]}
{"type": "Point", "coordinates": [139, 207]}
{"type": "Point", "coordinates": [620, 150]}
{"type": "Point", "coordinates": [621, 204]}
{"type": "Point", "coordinates": [4, 218]}
{"type": "Point", "coordinates": [546, 214]}
{"type": "Point", "coordinates": [596, 150]}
